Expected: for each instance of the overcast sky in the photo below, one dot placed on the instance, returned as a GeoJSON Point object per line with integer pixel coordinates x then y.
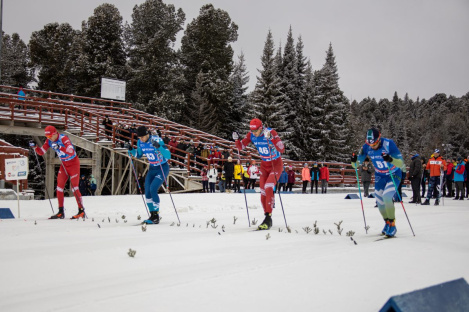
{"type": "Point", "coordinates": [419, 47]}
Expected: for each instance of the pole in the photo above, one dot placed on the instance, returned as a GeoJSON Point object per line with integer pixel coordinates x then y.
{"type": "Point", "coordinates": [276, 182]}
{"type": "Point", "coordinates": [399, 196]}
{"type": "Point", "coordinates": [138, 183]}
{"type": "Point", "coordinates": [169, 191]}
{"type": "Point", "coordinates": [245, 199]}
{"type": "Point", "coordinates": [47, 191]}
{"type": "Point", "coordinates": [361, 200]}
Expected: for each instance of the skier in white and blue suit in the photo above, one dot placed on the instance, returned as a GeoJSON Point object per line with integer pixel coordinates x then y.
{"type": "Point", "coordinates": [157, 154]}
{"type": "Point", "coordinates": [384, 154]}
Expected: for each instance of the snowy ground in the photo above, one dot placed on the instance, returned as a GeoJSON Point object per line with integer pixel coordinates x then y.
{"type": "Point", "coordinates": [65, 265]}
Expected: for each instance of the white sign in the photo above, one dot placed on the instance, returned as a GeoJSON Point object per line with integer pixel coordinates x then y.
{"type": "Point", "coordinates": [16, 168]}
{"type": "Point", "coordinates": [113, 89]}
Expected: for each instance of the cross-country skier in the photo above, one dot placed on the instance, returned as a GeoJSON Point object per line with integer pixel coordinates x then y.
{"type": "Point", "coordinates": [386, 158]}
{"type": "Point", "coordinates": [270, 147]}
{"type": "Point", "coordinates": [70, 167]}
{"type": "Point", "coordinates": [153, 147]}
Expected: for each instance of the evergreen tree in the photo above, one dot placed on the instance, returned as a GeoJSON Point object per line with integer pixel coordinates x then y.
{"type": "Point", "coordinates": [155, 75]}
{"type": "Point", "coordinates": [334, 133]}
{"type": "Point", "coordinates": [239, 102]}
{"type": "Point", "coordinates": [51, 48]}
{"type": "Point", "coordinates": [207, 57]}
{"type": "Point", "coordinates": [15, 59]}
{"type": "Point", "coordinates": [102, 54]}
{"type": "Point", "coordinates": [267, 99]}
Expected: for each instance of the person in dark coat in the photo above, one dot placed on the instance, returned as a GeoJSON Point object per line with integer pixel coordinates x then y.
{"type": "Point", "coordinates": [83, 186]}
{"type": "Point", "coordinates": [314, 177]}
{"type": "Point", "coordinates": [228, 168]}
{"type": "Point", "coordinates": [291, 179]}
{"type": "Point", "coordinates": [107, 123]}
{"type": "Point", "coordinates": [415, 176]}
{"type": "Point", "coordinates": [182, 147]}
{"type": "Point", "coordinates": [366, 169]}
{"type": "Point", "coordinates": [425, 174]}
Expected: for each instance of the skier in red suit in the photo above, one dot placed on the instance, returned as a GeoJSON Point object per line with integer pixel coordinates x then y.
{"type": "Point", "coordinates": [70, 167]}
{"type": "Point", "coordinates": [270, 147]}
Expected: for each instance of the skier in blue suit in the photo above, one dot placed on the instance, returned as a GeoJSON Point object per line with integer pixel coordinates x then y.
{"type": "Point", "coordinates": [387, 160]}
{"type": "Point", "coordinates": [153, 147]}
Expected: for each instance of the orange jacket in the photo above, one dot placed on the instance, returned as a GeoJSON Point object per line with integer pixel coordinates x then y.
{"type": "Point", "coordinates": [305, 174]}
{"type": "Point", "coordinates": [434, 165]}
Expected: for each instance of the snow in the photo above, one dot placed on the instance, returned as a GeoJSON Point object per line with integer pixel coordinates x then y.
{"type": "Point", "coordinates": [65, 265]}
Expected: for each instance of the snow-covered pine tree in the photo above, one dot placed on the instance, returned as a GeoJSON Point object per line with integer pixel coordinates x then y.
{"type": "Point", "coordinates": [334, 133]}
{"type": "Point", "coordinates": [289, 84]}
{"type": "Point", "coordinates": [155, 78]}
{"type": "Point", "coordinates": [206, 49]}
{"type": "Point", "coordinates": [239, 101]}
{"type": "Point", "coordinates": [267, 99]}
{"type": "Point", "coordinates": [15, 59]}
{"type": "Point", "coordinates": [102, 53]}
{"type": "Point", "coordinates": [50, 48]}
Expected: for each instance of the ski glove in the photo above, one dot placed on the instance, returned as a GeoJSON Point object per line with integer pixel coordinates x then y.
{"type": "Point", "coordinates": [235, 135]}
{"type": "Point", "coordinates": [55, 146]}
{"type": "Point", "coordinates": [156, 144]}
{"type": "Point", "coordinates": [386, 157]}
{"type": "Point", "coordinates": [354, 158]}
{"type": "Point", "coordinates": [267, 134]}
{"type": "Point", "coordinates": [32, 144]}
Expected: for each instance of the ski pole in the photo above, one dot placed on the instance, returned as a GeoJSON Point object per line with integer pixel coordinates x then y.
{"type": "Point", "coordinates": [47, 191]}
{"type": "Point", "coordinates": [245, 199]}
{"type": "Point", "coordinates": [276, 182]}
{"type": "Point", "coordinates": [399, 196]}
{"type": "Point", "coordinates": [138, 183]}
{"type": "Point", "coordinates": [169, 191]}
{"type": "Point", "coordinates": [361, 200]}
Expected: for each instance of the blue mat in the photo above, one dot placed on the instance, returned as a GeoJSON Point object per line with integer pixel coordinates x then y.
{"type": "Point", "coordinates": [352, 196]}
{"type": "Point", "coordinates": [5, 213]}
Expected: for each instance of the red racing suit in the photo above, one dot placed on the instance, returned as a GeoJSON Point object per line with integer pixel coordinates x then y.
{"type": "Point", "coordinates": [70, 167]}
{"type": "Point", "coordinates": [271, 165]}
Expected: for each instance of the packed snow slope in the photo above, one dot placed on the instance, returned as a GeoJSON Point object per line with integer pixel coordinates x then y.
{"type": "Point", "coordinates": [67, 265]}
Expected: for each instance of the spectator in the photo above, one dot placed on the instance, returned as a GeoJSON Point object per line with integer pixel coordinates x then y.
{"type": "Point", "coordinates": [212, 177]}
{"type": "Point", "coordinates": [198, 154]}
{"type": "Point", "coordinates": [222, 183]}
{"type": "Point", "coordinates": [83, 185]}
{"type": "Point", "coordinates": [166, 139]}
{"type": "Point", "coordinates": [205, 152]}
{"type": "Point", "coordinates": [133, 133]}
{"type": "Point", "coordinates": [93, 185]}
{"type": "Point", "coordinates": [415, 176]}
{"type": "Point", "coordinates": [324, 177]}
{"type": "Point", "coordinates": [314, 177]}
{"type": "Point", "coordinates": [21, 94]}
{"type": "Point", "coordinates": [253, 174]}
{"type": "Point", "coordinates": [425, 177]}
{"type": "Point", "coordinates": [238, 173]}
{"type": "Point", "coordinates": [459, 173]}
{"type": "Point", "coordinates": [466, 178]}
{"type": "Point", "coordinates": [291, 178]}
{"type": "Point", "coordinates": [282, 181]}
{"type": "Point", "coordinates": [449, 176]}
{"type": "Point", "coordinates": [228, 168]}
{"type": "Point", "coordinates": [107, 123]}
{"type": "Point", "coordinates": [226, 153]}
{"type": "Point", "coordinates": [436, 164]}
{"type": "Point", "coordinates": [181, 153]}
{"type": "Point", "coordinates": [173, 145]}
{"type": "Point", "coordinates": [246, 175]}
{"type": "Point", "coordinates": [204, 175]}
{"type": "Point", "coordinates": [305, 177]}
{"type": "Point", "coordinates": [366, 170]}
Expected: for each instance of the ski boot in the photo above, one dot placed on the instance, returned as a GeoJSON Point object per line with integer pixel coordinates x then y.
{"type": "Point", "coordinates": [267, 223]}
{"type": "Point", "coordinates": [80, 214]}
{"type": "Point", "coordinates": [437, 202]}
{"type": "Point", "coordinates": [426, 202]}
{"type": "Point", "coordinates": [59, 215]}
{"type": "Point", "coordinates": [154, 218]}
{"type": "Point", "coordinates": [386, 227]}
{"type": "Point", "coordinates": [392, 229]}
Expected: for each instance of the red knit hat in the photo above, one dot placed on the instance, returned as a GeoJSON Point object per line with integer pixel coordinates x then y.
{"type": "Point", "coordinates": [50, 131]}
{"type": "Point", "coordinates": [255, 124]}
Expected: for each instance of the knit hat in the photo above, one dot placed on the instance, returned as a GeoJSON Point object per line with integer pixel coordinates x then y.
{"type": "Point", "coordinates": [230, 158]}
{"type": "Point", "coordinates": [50, 131]}
{"type": "Point", "coordinates": [372, 136]}
{"type": "Point", "coordinates": [413, 153]}
{"type": "Point", "coordinates": [142, 131]}
{"type": "Point", "coordinates": [255, 124]}
{"type": "Point", "coordinates": [436, 151]}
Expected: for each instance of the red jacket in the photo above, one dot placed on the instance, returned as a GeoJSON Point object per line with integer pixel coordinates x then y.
{"type": "Point", "coordinates": [324, 174]}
